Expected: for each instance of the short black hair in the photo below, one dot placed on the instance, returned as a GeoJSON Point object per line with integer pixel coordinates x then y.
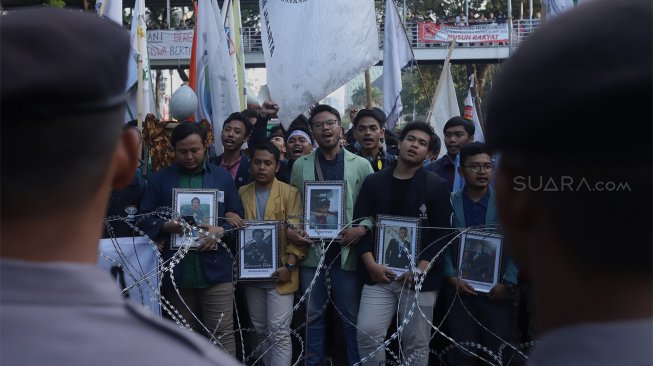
{"type": "Point", "coordinates": [437, 146]}
{"type": "Point", "coordinates": [78, 149]}
{"type": "Point", "coordinates": [185, 129]}
{"type": "Point", "coordinates": [250, 113]}
{"type": "Point", "coordinates": [460, 121]}
{"type": "Point", "coordinates": [473, 149]}
{"type": "Point", "coordinates": [369, 113]}
{"type": "Point", "coordinates": [420, 126]}
{"type": "Point", "coordinates": [237, 116]}
{"type": "Point", "coordinates": [62, 115]}
{"type": "Point", "coordinates": [605, 230]}
{"type": "Point", "coordinates": [257, 231]}
{"type": "Point", "coordinates": [131, 124]}
{"type": "Point", "coordinates": [269, 147]}
{"type": "Point", "coordinates": [277, 131]}
{"type": "Point", "coordinates": [195, 199]}
{"type": "Point", "coordinates": [323, 108]}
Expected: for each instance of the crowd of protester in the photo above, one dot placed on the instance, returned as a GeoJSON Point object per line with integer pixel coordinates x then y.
{"type": "Point", "coordinates": [581, 253]}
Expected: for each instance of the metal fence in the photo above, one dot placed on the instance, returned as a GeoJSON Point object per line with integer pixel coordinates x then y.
{"type": "Point", "coordinates": [252, 41]}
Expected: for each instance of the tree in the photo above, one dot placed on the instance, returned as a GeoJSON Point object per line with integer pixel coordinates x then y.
{"type": "Point", "coordinates": [359, 97]}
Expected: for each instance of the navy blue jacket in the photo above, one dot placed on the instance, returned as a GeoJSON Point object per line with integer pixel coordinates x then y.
{"type": "Point", "coordinates": [243, 175]}
{"type": "Point", "coordinates": [443, 167]}
{"type": "Point", "coordinates": [119, 201]}
{"type": "Point", "coordinates": [428, 199]}
{"type": "Point", "coordinates": [217, 264]}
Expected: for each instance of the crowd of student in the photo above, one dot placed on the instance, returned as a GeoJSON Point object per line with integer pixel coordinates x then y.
{"type": "Point", "coordinates": [399, 178]}
{"type": "Point", "coordinates": [586, 242]}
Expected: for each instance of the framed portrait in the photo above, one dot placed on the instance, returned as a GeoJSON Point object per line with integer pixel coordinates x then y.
{"type": "Point", "coordinates": [397, 242]}
{"type": "Point", "coordinates": [479, 259]}
{"type": "Point", "coordinates": [196, 207]}
{"type": "Point", "coordinates": [324, 209]}
{"type": "Point", "coordinates": [258, 256]}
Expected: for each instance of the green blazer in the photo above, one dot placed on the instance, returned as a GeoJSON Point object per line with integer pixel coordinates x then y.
{"type": "Point", "coordinates": [356, 169]}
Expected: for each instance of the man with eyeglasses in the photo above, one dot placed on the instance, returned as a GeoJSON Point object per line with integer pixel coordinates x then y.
{"type": "Point", "coordinates": [474, 206]}
{"type": "Point", "coordinates": [369, 129]}
{"type": "Point", "coordinates": [331, 162]}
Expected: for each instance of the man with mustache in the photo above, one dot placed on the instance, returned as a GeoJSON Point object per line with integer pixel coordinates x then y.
{"type": "Point", "coordinates": [330, 162]}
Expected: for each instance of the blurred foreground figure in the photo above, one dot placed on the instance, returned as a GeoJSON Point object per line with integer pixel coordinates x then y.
{"type": "Point", "coordinates": [62, 95]}
{"type": "Point", "coordinates": [571, 117]}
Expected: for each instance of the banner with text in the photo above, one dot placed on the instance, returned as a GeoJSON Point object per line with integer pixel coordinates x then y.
{"type": "Point", "coordinates": [170, 44]}
{"type": "Point", "coordinates": [432, 32]}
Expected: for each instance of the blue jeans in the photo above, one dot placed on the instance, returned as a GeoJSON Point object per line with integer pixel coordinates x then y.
{"type": "Point", "coordinates": [345, 293]}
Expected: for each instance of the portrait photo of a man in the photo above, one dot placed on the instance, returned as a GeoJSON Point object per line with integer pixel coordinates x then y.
{"type": "Point", "coordinates": [322, 218]}
{"type": "Point", "coordinates": [195, 210]}
{"type": "Point", "coordinates": [397, 247]}
{"type": "Point", "coordinates": [478, 262]}
{"type": "Point", "coordinates": [196, 207]}
{"type": "Point", "coordinates": [397, 242]}
{"type": "Point", "coordinates": [324, 209]}
{"type": "Point", "coordinates": [258, 251]}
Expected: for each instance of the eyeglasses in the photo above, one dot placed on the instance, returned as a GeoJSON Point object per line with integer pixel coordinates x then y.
{"type": "Point", "coordinates": [328, 123]}
{"type": "Point", "coordinates": [476, 168]}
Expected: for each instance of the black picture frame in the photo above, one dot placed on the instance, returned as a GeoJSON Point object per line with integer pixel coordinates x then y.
{"type": "Point", "coordinates": [389, 249]}
{"type": "Point", "coordinates": [205, 214]}
{"type": "Point", "coordinates": [258, 259]}
{"type": "Point", "coordinates": [320, 221]}
{"type": "Point", "coordinates": [480, 259]}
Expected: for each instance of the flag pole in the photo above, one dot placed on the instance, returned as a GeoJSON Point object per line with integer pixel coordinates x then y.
{"type": "Point", "coordinates": [139, 114]}
{"type": "Point", "coordinates": [101, 11]}
{"type": "Point", "coordinates": [368, 88]}
{"type": "Point", "coordinates": [439, 86]}
{"type": "Point", "coordinates": [403, 26]}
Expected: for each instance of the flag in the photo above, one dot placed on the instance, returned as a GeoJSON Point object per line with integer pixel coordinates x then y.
{"type": "Point", "coordinates": [312, 48]}
{"type": "Point", "coordinates": [232, 27]}
{"type": "Point", "coordinates": [139, 42]}
{"type": "Point", "coordinates": [214, 80]}
{"type": "Point", "coordinates": [556, 7]}
{"type": "Point", "coordinates": [445, 103]}
{"type": "Point", "coordinates": [192, 72]}
{"type": "Point", "coordinates": [470, 112]}
{"type": "Point", "coordinates": [111, 9]}
{"type": "Point", "coordinates": [396, 54]}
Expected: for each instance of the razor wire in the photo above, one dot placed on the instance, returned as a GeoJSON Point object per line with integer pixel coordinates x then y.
{"type": "Point", "coordinates": [145, 281]}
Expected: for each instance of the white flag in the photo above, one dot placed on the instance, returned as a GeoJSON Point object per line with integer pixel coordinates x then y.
{"type": "Point", "coordinates": [445, 104]}
{"type": "Point", "coordinates": [215, 85]}
{"type": "Point", "coordinates": [470, 112]}
{"type": "Point", "coordinates": [111, 9]}
{"type": "Point", "coordinates": [139, 41]}
{"type": "Point", "coordinates": [233, 29]}
{"type": "Point", "coordinates": [556, 7]}
{"type": "Point", "coordinates": [396, 54]}
{"type": "Point", "coordinates": [312, 48]}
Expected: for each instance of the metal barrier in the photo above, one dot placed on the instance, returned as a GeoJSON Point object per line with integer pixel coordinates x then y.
{"type": "Point", "coordinates": [521, 30]}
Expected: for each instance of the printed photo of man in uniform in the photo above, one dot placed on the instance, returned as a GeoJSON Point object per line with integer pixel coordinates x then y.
{"type": "Point", "coordinates": [258, 251]}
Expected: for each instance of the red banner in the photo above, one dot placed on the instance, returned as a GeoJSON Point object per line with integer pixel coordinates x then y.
{"type": "Point", "coordinates": [487, 33]}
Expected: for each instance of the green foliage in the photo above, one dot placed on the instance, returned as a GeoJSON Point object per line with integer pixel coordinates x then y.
{"type": "Point", "coordinates": [359, 97]}
{"type": "Point", "coordinates": [55, 3]}
{"type": "Point", "coordinates": [250, 15]}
